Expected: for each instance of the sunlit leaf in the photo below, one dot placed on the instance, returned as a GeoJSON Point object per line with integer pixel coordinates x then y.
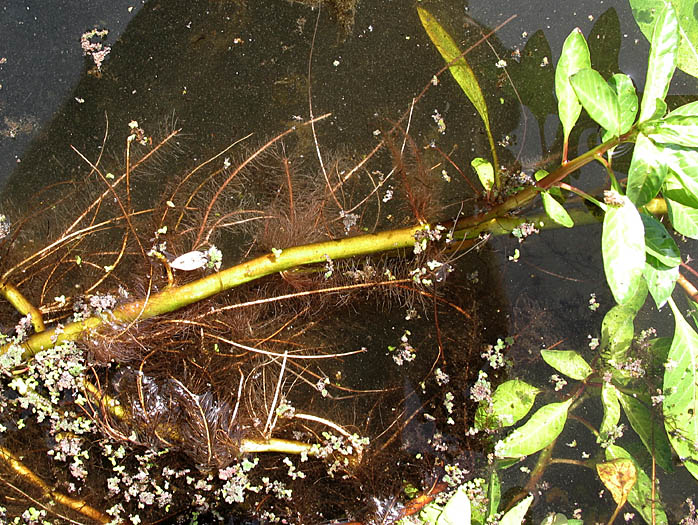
{"type": "Point", "coordinates": [611, 410]}
{"type": "Point", "coordinates": [640, 496]}
{"type": "Point", "coordinates": [677, 129]}
{"type": "Point", "coordinates": [537, 433]}
{"type": "Point", "coordinates": [646, 173]}
{"type": "Point", "coordinates": [683, 163]}
{"type": "Point", "coordinates": [674, 189]}
{"type": "Point", "coordinates": [515, 516]}
{"type": "Point", "coordinates": [645, 13]}
{"type": "Point", "coordinates": [511, 401]}
{"type": "Point", "coordinates": [567, 362]}
{"type": "Point", "coordinates": [659, 244]}
{"type": "Point", "coordinates": [623, 248]}
{"type": "Point", "coordinates": [681, 392]}
{"type": "Point", "coordinates": [624, 89]}
{"type": "Point", "coordinates": [619, 477]}
{"type": "Point", "coordinates": [598, 99]}
{"type": "Point", "coordinates": [661, 281]}
{"type": "Point", "coordinates": [649, 430]}
{"type": "Point", "coordinates": [556, 211]}
{"type": "Point", "coordinates": [662, 61]}
{"type": "Point", "coordinates": [687, 109]}
{"type": "Point", "coordinates": [617, 332]}
{"type": "Point", "coordinates": [684, 219]}
{"type": "Point", "coordinates": [494, 494]}
{"type": "Point", "coordinates": [457, 509]}
{"type": "Point", "coordinates": [485, 172]}
{"type": "Point", "coordinates": [573, 58]}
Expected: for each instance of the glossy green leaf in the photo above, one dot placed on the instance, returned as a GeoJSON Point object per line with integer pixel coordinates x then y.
{"type": "Point", "coordinates": [515, 516]}
{"type": "Point", "coordinates": [684, 219]}
{"type": "Point", "coordinates": [645, 13]}
{"type": "Point", "coordinates": [494, 494]}
{"type": "Point", "coordinates": [617, 332]}
{"type": "Point", "coordinates": [538, 432]}
{"type": "Point", "coordinates": [460, 69]}
{"type": "Point", "coordinates": [659, 244]}
{"type": "Point", "coordinates": [556, 211]}
{"type": "Point", "coordinates": [640, 496]}
{"type": "Point", "coordinates": [687, 109]}
{"type": "Point", "coordinates": [623, 248]}
{"type": "Point", "coordinates": [661, 281]}
{"type": "Point", "coordinates": [485, 172]}
{"type": "Point", "coordinates": [598, 99]}
{"type": "Point", "coordinates": [647, 171]}
{"type": "Point", "coordinates": [683, 163]}
{"type": "Point", "coordinates": [624, 89]}
{"type": "Point", "coordinates": [611, 410]}
{"type": "Point", "coordinates": [650, 432]}
{"type": "Point", "coordinates": [511, 401]}
{"type": "Point", "coordinates": [662, 61]}
{"type": "Point", "coordinates": [681, 392]}
{"type": "Point", "coordinates": [567, 362]}
{"type": "Point", "coordinates": [574, 57]}
{"type": "Point", "coordinates": [677, 129]}
{"type": "Point", "coordinates": [674, 189]}
{"type": "Point", "coordinates": [457, 509]}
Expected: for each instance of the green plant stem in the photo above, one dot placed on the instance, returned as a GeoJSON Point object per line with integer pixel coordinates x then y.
{"type": "Point", "coordinates": [22, 305]}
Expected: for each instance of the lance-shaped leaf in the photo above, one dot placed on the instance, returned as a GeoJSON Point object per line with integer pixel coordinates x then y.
{"type": "Point", "coordinates": [515, 516]}
{"type": "Point", "coordinates": [624, 89]}
{"type": "Point", "coordinates": [647, 171]}
{"type": "Point", "coordinates": [674, 189]}
{"type": "Point", "coordinates": [662, 61]}
{"type": "Point", "coordinates": [574, 57]}
{"type": "Point", "coordinates": [683, 218]}
{"type": "Point", "coordinates": [485, 172]}
{"type": "Point", "coordinates": [537, 433]}
{"type": "Point", "coordinates": [681, 392]}
{"type": "Point", "coordinates": [599, 100]}
{"type": "Point", "coordinates": [616, 336]}
{"type": "Point", "coordinates": [659, 244]}
{"type": "Point", "coordinates": [556, 211]}
{"type": "Point", "coordinates": [683, 165]}
{"type": "Point", "coordinates": [494, 494]}
{"type": "Point", "coordinates": [567, 362]}
{"type": "Point", "coordinates": [611, 411]}
{"type": "Point", "coordinates": [676, 129]}
{"type": "Point", "coordinates": [623, 249]}
{"type": "Point", "coordinates": [457, 510]}
{"type": "Point", "coordinates": [661, 280]}
{"type": "Point", "coordinates": [640, 496]}
{"type": "Point", "coordinates": [510, 403]}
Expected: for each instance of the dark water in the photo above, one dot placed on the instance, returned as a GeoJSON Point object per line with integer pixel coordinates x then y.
{"type": "Point", "coordinates": [222, 69]}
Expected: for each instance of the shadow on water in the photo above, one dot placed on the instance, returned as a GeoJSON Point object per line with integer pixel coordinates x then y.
{"type": "Point", "coordinates": [219, 70]}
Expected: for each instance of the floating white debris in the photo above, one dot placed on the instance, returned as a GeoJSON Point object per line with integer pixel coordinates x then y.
{"type": "Point", "coordinates": [190, 261]}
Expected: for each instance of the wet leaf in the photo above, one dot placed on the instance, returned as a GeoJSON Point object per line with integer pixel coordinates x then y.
{"type": "Point", "coordinates": [485, 172]}
{"type": "Point", "coordinates": [556, 211]}
{"type": "Point", "coordinates": [511, 401]}
{"type": "Point", "coordinates": [619, 477]}
{"type": "Point", "coordinates": [624, 89]}
{"type": "Point", "coordinates": [537, 433]}
{"type": "Point", "coordinates": [683, 218]}
{"type": "Point", "coordinates": [651, 434]}
{"type": "Point", "coordinates": [647, 171]}
{"type": "Point", "coordinates": [681, 392]}
{"type": "Point", "coordinates": [640, 496]}
{"type": "Point", "coordinates": [659, 244]}
{"type": "Point", "coordinates": [598, 99]}
{"type": "Point", "coordinates": [516, 514]}
{"type": "Point", "coordinates": [662, 60]}
{"type": "Point", "coordinates": [573, 58]}
{"type": "Point", "coordinates": [645, 13]}
{"type": "Point", "coordinates": [623, 248]}
{"type": "Point", "coordinates": [567, 362]}
{"type": "Point", "coordinates": [611, 410]}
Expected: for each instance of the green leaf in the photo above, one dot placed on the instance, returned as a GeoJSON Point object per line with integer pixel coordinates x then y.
{"type": "Point", "coordinates": [624, 89]}
{"type": "Point", "coordinates": [687, 109]}
{"type": "Point", "coordinates": [574, 57]}
{"type": "Point", "coordinates": [611, 410]}
{"type": "Point", "coordinates": [651, 434]}
{"type": "Point", "coordinates": [511, 401]}
{"type": "Point", "coordinates": [457, 509]}
{"type": "Point", "coordinates": [681, 392]}
{"type": "Point", "coordinates": [617, 332]}
{"type": "Point", "coordinates": [660, 281]}
{"type": "Point", "coordinates": [640, 496]}
{"type": "Point", "coordinates": [556, 211]}
{"type": "Point", "coordinates": [684, 164]}
{"type": "Point", "coordinates": [674, 189]}
{"type": "Point", "coordinates": [516, 514]}
{"type": "Point", "coordinates": [567, 362]}
{"type": "Point", "coordinates": [684, 219]}
{"type": "Point", "coordinates": [659, 244]}
{"type": "Point", "coordinates": [623, 248]}
{"type": "Point", "coordinates": [599, 100]}
{"type": "Point", "coordinates": [662, 61]}
{"type": "Point", "coordinates": [485, 172]}
{"type": "Point", "coordinates": [647, 171]}
{"type": "Point", "coordinates": [460, 69]}
{"type": "Point", "coordinates": [677, 129]}
{"type": "Point", "coordinates": [494, 494]}
{"type": "Point", "coordinates": [537, 433]}
{"type": "Point", "coordinates": [645, 13]}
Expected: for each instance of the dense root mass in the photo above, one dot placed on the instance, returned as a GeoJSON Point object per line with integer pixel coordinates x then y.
{"type": "Point", "coordinates": [169, 416]}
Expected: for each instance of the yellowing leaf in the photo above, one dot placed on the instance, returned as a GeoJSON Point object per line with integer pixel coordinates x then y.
{"type": "Point", "coordinates": [619, 476]}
